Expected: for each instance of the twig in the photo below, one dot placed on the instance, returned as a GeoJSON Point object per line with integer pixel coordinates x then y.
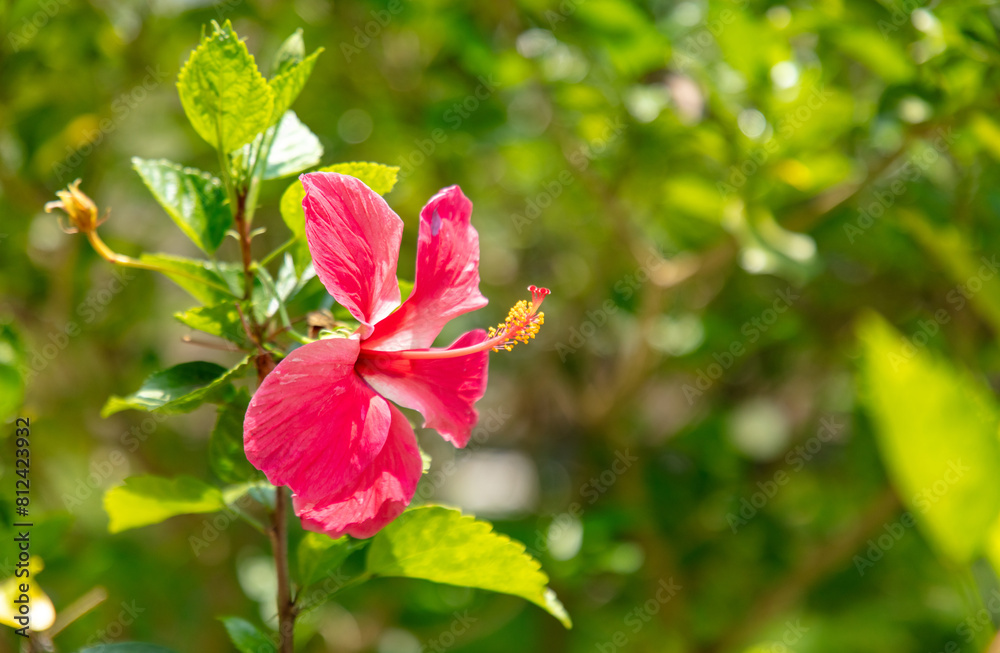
{"type": "Point", "coordinates": [77, 609]}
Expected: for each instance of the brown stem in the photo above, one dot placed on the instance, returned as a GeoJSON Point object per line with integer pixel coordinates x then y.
{"type": "Point", "coordinates": [278, 532]}
{"type": "Point", "coordinates": [279, 544]}
{"type": "Point", "coordinates": [279, 528]}
{"type": "Point", "coordinates": [243, 229]}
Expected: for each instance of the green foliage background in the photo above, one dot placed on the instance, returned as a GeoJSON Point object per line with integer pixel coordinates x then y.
{"type": "Point", "coordinates": [671, 170]}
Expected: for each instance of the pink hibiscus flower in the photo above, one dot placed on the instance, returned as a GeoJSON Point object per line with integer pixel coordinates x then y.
{"type": "Point", "coordinates": [320, 422]}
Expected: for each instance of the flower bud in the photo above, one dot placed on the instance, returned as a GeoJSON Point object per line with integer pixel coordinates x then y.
{"type": "Point", "coordinates": [81, 209]}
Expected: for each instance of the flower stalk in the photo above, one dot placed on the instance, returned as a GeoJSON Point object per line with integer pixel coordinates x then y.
{"type": "Point", "coordinates": [82, 214]}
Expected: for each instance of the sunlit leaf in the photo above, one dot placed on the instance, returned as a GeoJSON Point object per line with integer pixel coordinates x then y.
{"type": "Point", "coordinates": [291, 51]}
{"type": "Point", "coordinates": [937, 429]}
{"type": "Point", "coordinates": [145, 500]}
{"type": "Point", "coordinates": [287, 84]}
{"type": "Point", "coordinates": [443, 545]}
{"type": "Point", "coordinates": [295, 149]}
{"type": "Point", "coordinates": [225, 97]}
{"type": "Point", "coordinates": [380, 178]}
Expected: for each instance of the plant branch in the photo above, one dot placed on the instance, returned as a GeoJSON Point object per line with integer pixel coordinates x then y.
{"type": "Point", "coordinates": [279, 545]}
{"type": "Point", "coordinates": [278, 532]}
{"type": "Point", "coordinates": [243, 229]}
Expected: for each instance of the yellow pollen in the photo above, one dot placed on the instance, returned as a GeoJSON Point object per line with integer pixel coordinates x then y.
{"type": "Point", "coordinates": [521, 325]}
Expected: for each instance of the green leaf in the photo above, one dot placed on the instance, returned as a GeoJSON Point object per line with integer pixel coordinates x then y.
{"type": "Point", "coordinates": [286, 85]}
{"type": "Point", "coordinates": [272, 294]}
{"type": "Point", "coordinates": [204, 281]}
{"type": "Point", "coordinates": [127, 647]}
{"type": "Point", "coordinates": [179, 389]}
{"type": "Point", "coordinates": [225, 447]}
{"type": "Point", "coordinates": [295, 149]}
{"type": "Point", "coordinates": [319, 554]}
{"type": "Point", "coordinates": [221, 320]}
{"type": "Point", "coordinates": [145, 500]}
{"type": "Point", "coordinates": [380, 178]}
{"type": "Point", "coordinates": [290, 52]}
{"type": "Point", "coordinates": [11, 381]}
{"type": "Point", "coordinates": [246, 637]}
{"type": "Point", "coordinates": [937, 429]}
{"type": "Point", "coordinates": [443, 545]}
{"type": "Point", "coordinates": [195, 200]}
{"type": "Point", "coordinates": [224, 96]}
{"type": "Point", "coordinates": [291, 208]}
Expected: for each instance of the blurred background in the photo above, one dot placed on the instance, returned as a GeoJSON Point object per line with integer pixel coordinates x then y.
{"type": "Point", "coordinates": [713, 190]}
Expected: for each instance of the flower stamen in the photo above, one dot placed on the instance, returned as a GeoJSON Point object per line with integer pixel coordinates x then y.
{"type": "Point", "coordinates": [522, 323]}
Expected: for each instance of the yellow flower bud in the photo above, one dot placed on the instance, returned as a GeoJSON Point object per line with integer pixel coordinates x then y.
{"type": "Point", "coordinates": [81, 209]}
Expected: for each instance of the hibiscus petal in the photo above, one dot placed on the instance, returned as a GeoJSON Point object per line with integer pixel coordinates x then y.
{"type": "Point", "coordinates": [354, 239]}
{"type": "Point", "coordinates": [442, 389]}
{"type": "Point", "coordinates": [447, 277]}
{"type": "Point", "coordinates": [313, 424]}
{"type": "Point", "coordinates": [377, 496]}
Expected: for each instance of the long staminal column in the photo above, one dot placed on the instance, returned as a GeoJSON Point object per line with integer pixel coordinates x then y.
{"type": "Point", "coordinates": [522, 324]}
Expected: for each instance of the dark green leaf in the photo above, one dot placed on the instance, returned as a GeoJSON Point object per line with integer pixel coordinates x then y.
{"type": "Point", "coordinates": [246, 637]}
{"type": "Point", "coordinates": [319, 555]}
{"type": "Point", "coordinates": [179, 389]}
{"type": "Point", "coordinates": [225, 447]}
